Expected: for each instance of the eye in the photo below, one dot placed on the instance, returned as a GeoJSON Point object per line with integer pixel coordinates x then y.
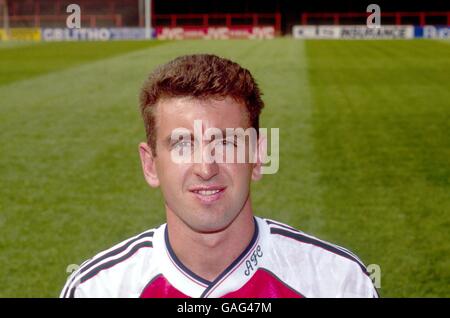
{"type": "Point", "coordinates": [183, 144]}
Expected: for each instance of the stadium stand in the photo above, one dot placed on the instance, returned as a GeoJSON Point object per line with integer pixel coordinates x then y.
{"type": "Point", "coordinates": [174, 19]}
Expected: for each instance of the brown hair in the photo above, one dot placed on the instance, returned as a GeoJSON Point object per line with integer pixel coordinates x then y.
{"type": "Point", "coordinates": [199, 76]}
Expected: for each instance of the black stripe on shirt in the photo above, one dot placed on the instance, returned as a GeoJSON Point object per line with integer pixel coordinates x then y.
{"type": "Point", "coordinates": [270, 222]}
{"type": "Point", "coordinates": [281, 225]}
{"type": "Point", "coordinates": [305, 239]}
{"type": "Point", "coordinates": [112, 253]}
{"type": "Point", "coordinates": [110, 264]}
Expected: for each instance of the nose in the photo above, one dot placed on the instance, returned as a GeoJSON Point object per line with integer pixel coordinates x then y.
{"type": "Point", "coordinates": [206, 170]}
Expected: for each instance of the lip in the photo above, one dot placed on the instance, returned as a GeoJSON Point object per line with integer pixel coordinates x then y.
{"type": "Point", "coordinates": [210, 193]}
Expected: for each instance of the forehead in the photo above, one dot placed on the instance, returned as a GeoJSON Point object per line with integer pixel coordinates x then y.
{"type": "Point", "coordinates": [221, 113]}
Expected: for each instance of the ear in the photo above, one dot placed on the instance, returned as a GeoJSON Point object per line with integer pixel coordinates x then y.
{"type": "Point", "coordinates": [148, 164]}
{"type": "Point", "coordinates": [261, 148]}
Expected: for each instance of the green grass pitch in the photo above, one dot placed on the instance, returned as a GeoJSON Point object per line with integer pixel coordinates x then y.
{"type": "Point", "coordinates": [364, 143]}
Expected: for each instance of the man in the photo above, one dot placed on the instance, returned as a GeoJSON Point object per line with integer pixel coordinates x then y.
{"type": "Point", "coordinates": [212, 244]}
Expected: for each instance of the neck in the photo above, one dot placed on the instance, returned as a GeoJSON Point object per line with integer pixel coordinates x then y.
{"type": "Point", "coordinates": [209, 254]}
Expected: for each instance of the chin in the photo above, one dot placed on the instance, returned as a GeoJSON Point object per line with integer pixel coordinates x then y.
{"type": "Point", "coordinates": [210, 223]}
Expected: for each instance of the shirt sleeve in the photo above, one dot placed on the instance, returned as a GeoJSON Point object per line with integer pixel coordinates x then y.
{"type": "Point", "coordinates": [358, 284]}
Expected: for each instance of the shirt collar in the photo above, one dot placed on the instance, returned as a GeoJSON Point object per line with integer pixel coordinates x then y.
{"type": "Point", "coordinates": [193, 285]}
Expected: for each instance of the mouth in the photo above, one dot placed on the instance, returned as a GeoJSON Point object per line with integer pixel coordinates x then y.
{"type": "Point", "coordinates": [208, 194]}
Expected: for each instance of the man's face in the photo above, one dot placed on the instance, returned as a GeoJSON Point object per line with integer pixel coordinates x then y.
{"type": "Point", "coordinates": [205, 196]}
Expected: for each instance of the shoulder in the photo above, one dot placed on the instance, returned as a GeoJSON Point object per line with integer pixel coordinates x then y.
{"type": "Point", "coordinates": [327, 270]}
{"type": "Point", "coordinates": [102, 275]}
{"type": "Point", "coordinates": [287, 235]}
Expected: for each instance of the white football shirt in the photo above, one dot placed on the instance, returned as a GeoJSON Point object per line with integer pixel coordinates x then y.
{"type": "Point", "coordinates": [279, 262]}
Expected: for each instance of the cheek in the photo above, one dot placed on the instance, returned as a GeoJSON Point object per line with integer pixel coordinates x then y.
{"type": "Point", "coordinates": [171, 175]}
{"type": "Point", "coordinates": [240, 174]}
